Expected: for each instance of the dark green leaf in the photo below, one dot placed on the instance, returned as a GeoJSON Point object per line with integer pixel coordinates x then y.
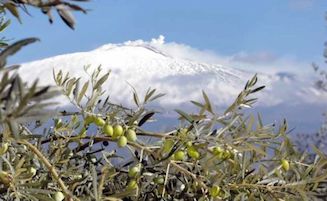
{"type": "Point", "coordinates": [12, 49]}
{"type": "Point", "coordinates": [185, 115]}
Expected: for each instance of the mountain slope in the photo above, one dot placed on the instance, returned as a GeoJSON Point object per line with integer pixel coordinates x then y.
{"type": "Point", "coordinates": [150, 64]}
{"type": "Point", "coordinates": [143, 66]}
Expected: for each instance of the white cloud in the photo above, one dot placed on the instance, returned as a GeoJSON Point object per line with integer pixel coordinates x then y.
{"type": "Point", "coordinates": [263, 61]}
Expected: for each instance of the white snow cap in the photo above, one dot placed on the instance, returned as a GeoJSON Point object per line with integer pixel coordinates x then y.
{"type": "Point", "coordinates": [173, 69]}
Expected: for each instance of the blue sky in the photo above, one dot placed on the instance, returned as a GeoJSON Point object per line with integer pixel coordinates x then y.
{"type": "Point", "coordinates": [292, 28]}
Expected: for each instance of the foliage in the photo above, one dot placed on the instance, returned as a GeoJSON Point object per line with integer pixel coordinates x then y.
{"type": "Point", "coordinates": [62, 7]}
{"type": "Point", "coordinates": [100, 150]}
{"type": "Point", "coordinates": [90, 154]}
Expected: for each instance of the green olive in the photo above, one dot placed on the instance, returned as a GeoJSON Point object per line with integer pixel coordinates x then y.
{"type": "Point", "coordinates": [99, 121]}
{"type": "Point", "coordinates": [179, 155]}
{"type": "Point", "coordinates": [167, 145]}
{"type": "Point", "coordinates": [189, 144]}
{"type": "Point", "coordinates": [108, 130]}
{"type": "Point", "coordinates": [131, 135]}
{"type": "Point", "coordinates": [122, 141]}
{"type": "Point", "coordinates": [59, 196]}
{"type": "Point", "coordinates": [134, 171]}
{"type": "Point", "coordinates": [118, 131]}
{"type": "Point", "coordinates": [159, 180]}
{"type": "Point", "coordinates": [32, 171]}
{"type": "Point", "coordinates": [89, 119]}
{"type": "Point", "coordinates": [132, 184]}
{"type": "Point", "coordinates": [193, 153]}
{"type": "Point", "coordinates": [285, 164]}
{"type": "Point", "coordinates": [214, 191]}
{"type": "Point", "coordinates": [217, 150]}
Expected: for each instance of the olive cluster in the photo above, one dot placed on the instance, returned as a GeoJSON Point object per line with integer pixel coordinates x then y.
{"type": "Point", "coordinates": [117, 132]}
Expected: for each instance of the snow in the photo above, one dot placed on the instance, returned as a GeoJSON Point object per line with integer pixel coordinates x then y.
{"type": "Point", "coordinates": [145, 64]}
{"type": "Point", "coordinates": [141, 65]}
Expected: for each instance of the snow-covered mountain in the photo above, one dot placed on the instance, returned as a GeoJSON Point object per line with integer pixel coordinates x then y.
{"type": "Point", "coordinates": [144, 64]}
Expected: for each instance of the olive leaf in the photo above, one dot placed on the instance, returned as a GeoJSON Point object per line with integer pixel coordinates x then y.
{"type": "Point", "coordinates": [12, 49]}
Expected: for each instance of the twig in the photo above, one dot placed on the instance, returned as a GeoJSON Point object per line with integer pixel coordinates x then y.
{"type": "Point", "coordinates": [166, 179]}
